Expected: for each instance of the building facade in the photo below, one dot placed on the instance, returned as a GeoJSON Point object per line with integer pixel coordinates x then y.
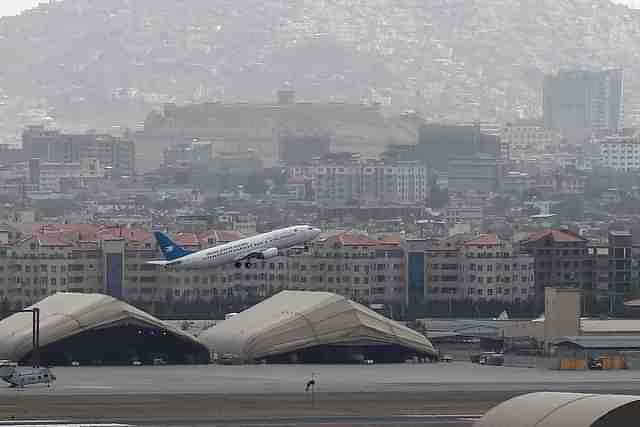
{"type": "Point", "coordinates": [439, 143]}
{"type": "Point", "coordinates": [521, 142]}
{"type": "Point", "coordinates": [84, 258]}
{"type": "Point", "coordinates": [583, 101]}
{"type": "Point", "coordinates": [479, 173]}
{"type": "Point", "coordinates": [344, 179]}
{"type": "Point", "coordinates": [194, 153]}
{"type": "Point", "coordinates": [620, 152]}
{"type": "Point", "coordinates": [50, 176]}
{"type": "Point", "coordinates": [117, 155]}
{"type": "Point", "coordinates": [562, 260]}
{"type": "Point", "coordinates": [483, 268]}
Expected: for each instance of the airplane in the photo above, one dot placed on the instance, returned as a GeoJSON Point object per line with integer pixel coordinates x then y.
{"type": "Point", "coordinates": [263, 246]}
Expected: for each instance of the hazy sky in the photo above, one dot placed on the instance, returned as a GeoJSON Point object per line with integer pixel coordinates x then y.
{"type": "Point", "coordinates": [13, 7]}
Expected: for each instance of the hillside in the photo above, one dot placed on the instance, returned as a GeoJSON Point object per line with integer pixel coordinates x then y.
{"type": "Point", "coordinates": [94, 63]}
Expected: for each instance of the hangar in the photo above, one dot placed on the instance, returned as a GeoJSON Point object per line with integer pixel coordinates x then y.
{"type": "Point", "coordinates": [314, 327]}
{"type": "Point", "coordinates": [548, 409]}
{"type": "Point", "coordinates": [96, 329]}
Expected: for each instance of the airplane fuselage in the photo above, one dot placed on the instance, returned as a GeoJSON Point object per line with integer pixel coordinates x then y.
{"type": "Point", "coordinates": [261, 246]}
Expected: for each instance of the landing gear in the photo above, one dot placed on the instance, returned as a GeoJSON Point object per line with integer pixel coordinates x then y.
{"type": "Point", "coordinates": [238, 264]}
{"type": "Point", "coordinates": [247, 264]}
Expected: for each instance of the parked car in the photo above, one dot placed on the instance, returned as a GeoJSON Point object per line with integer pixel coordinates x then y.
{"type": "Point", "coordinates": [596, 363]}
{"type": "Point", "coordinates": [492, 359]}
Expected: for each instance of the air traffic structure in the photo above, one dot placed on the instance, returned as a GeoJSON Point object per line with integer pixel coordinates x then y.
{"type": "Point", "coordinates": [95, 329]}
{"type": "Point", "coordinates": [314, 327]}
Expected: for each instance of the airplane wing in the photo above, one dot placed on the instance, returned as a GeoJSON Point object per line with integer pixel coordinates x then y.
{"type": "Point", "coordinates": [266, 254]}
{"type": "Point", "coordinates": [163, 262]}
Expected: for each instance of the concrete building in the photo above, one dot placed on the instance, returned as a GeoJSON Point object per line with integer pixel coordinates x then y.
{"type": "Point", "coordinates": [237, 163]}
{"type": "Point", "coordinates": [190, 154]}
{"type": "Point", "coordinates": [580, 102]}
{"type": "Point", "coordinates": [466, 208]}
{"type": "Point", "coordinates": [484, 268]}
{"type": "Point", "coordinates": [438, 144]}
{"type": "Point", "coordinates": [492, 269]}
{"type": "Point", "coordinates": [562, 260]}
{"type": "Point", "coordinates": [345, 179]}
{"type": "Point", "coordinates": [250, 126]}
{"type": "Point", "coordinates": [116, 154]}
{"type": "Point", "coordinates": [442, 270]}
{"type": "Point", "coordinates": [336, 179]}
{"type": "Point", "coordinates": [112, 260]}
{"type": "Point", "coordinates": [620, 152]}
{"type": "Point", "coordinates": [478, 173]}
{"type": "Point", "coordinates": [520, 142]}
{"type": "Point", "coordinates": [298, 147]}
{"type": "Point", "coordinates": [49, 176]}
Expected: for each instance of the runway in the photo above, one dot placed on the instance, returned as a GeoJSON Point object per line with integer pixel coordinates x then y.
{"type": "Point", "coordinates": [410, 420]}
{"type": "Point", "coordinates": [272, 380]}
{"type": "Point", "coordinates": [445, 394]}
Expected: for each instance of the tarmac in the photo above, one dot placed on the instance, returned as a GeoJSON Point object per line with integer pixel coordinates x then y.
{"type": "Point", "coordinates": [451, 394]}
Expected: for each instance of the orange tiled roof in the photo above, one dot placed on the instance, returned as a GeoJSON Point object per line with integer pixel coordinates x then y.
{"type": "Point", "coordinates": [186, 239]}
{"type": "Point", "coordinates": [52, 239]}
{"type": "Point", "coordinates": [557, 236]}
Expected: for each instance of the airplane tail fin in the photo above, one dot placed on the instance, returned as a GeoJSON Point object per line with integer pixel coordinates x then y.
{"type": "Point", "coordinates": [169, 249]}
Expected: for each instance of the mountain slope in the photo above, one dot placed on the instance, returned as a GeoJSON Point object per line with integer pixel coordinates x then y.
{"type": "Point", "coordinates": [96, 62]}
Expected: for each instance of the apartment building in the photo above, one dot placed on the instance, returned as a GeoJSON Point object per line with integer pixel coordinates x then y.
{"type": "Point", "coordinates": [521, 142]}
{"type": "Point", "coordinates": [442, 269]}
{"type": "Point", "coordinates": [483, 268]}
{"type": "Point", "coordinates": [117, 155]}
{"type": "Point", "coordinates": [579, 102]}
{"type": "Point", "coordinates": [620, 152]}
{"type": "Point", "coordinates": [492, 269]}
{"type": "Point", "coordinates": [88, 258]}
{"type": "Point", "coordinates": [50, 176]}
{"type": "Point", "coordinates": [344, 179]}
{"type": "Point", "coordinates": [562, 259]}
{"type": "Point", "coordinates": [466, 208]}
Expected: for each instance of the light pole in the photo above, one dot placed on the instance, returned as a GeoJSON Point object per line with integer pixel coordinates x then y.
{"type": "Point", "coordinates": [35, 334]}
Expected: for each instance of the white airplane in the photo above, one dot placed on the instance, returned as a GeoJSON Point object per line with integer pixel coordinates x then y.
{"type": "Point", "coordinates": [263, 246]}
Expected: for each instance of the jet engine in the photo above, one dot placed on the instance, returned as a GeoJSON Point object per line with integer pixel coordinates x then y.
{"type": "Point", "coordinates": [270, 253]}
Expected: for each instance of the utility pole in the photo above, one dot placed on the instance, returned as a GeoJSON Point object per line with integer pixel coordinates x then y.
{"type": "Point", "coordinates": [35, 334]}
